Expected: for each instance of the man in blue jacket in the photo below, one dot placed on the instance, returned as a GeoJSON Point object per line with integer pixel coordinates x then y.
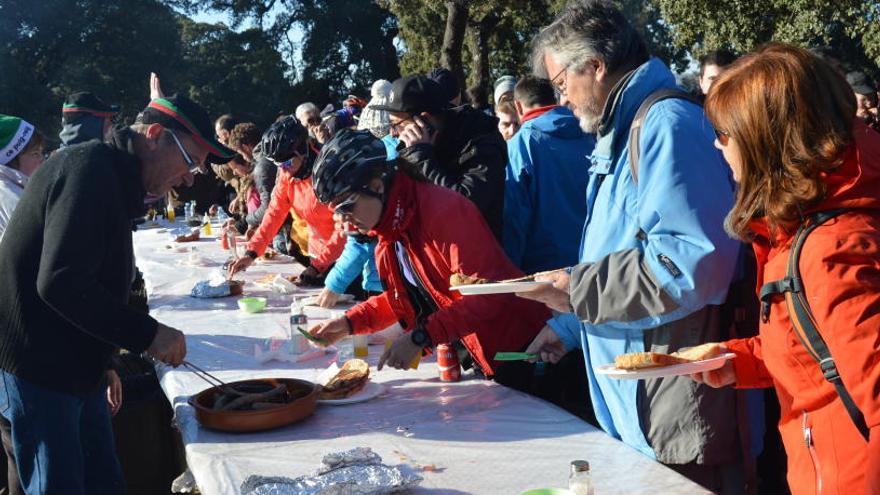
{"type": "Point", "coordinates": [544, 207]}
{"type": "Point", "coordinates": [655, 262]}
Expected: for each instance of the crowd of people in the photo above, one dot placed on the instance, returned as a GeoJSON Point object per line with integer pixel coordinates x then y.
{"type": "Point", "coordinates": [657, 217]}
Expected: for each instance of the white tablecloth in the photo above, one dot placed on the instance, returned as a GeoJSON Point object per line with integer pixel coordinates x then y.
{"type": "Point", "coordinates": [474, 436]}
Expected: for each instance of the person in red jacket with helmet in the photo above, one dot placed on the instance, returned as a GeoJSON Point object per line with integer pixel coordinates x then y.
{"type": "Point", "coordinates": [425, 234]}
{"type": "Point", "coordinates": [785, 123]}
{"type": "Point", "coordinates": [286, 144]}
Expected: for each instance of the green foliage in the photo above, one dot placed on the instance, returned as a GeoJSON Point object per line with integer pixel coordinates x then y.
{"type": "Point", "coordinates": [850, 26]}
{"type": "Point", "coordinates": [226, 71]}
{"type": "Point", "coordinates": [422, 22]}
{"type": "Point", "coordinates": [51, 48]}
{"type": "Point", "coordinates": [345, 46]}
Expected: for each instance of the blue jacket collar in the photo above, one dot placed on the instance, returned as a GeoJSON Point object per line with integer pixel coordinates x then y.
{"type": "Point", "coordinates": [621, 107]}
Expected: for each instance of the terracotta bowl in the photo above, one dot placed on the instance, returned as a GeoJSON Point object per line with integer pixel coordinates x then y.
{"type": "Point", "coordinates": [267, 419]}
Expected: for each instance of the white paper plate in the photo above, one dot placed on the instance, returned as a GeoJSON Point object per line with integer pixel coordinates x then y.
{"type": "Point", "coordinates": [313, 300]}
{"type": "Point", "coordinates": [663, 371]}
{"type": "Point", "coordinates": [276, 260]}
{"type": "Point", "coordinates": [371, 391]}
{"type": "Point", "coordinates": [498, 288]}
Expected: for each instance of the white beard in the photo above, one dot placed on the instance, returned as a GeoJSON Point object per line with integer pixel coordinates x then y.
{"type": "Point", "coordinates": [590, 116]}
{"type": "Point", "coordinates": [589, 123]}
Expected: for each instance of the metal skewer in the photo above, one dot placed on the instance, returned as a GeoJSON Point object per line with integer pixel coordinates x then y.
{"type": "Point", "coordinates": [212, 380]}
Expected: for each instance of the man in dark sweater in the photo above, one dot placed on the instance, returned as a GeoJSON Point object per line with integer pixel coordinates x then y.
{"type": "Point", "coordinates": [458, 148]}
{"type": "Point", "coordinates": [66, 267]}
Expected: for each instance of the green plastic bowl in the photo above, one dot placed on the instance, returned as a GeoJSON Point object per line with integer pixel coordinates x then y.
{"type": "Point", "coordinates": [549, 491]}
{"type": "Point", "coordinates": [252, 304]}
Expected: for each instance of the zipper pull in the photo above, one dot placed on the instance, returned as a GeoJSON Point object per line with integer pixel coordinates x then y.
{"type": "Point", "coordinates": [808, 437]}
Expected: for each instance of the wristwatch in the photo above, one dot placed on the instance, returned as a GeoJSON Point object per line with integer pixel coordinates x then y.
{"type": "Point", "coordinates": [420, 337]}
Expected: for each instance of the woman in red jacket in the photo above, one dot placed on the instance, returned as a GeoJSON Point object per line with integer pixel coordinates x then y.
{"type": "Point", "coordinates": [425, 234]}
{"type": "Point", "coordinates": [785, 123]}
{"type": "Point", "coordinates": [286, 144]}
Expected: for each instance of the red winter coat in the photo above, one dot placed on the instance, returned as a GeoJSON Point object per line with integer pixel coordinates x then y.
{"type": "Point", "coordinates": [325, 242]}
{"type": "Point", "coordinates": [443, 233]}
{"type": "Point", "coordinates": [840, 267]}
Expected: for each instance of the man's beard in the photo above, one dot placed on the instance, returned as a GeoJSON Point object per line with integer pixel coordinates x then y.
{"type": "Point", "coordinates": [590, 116]}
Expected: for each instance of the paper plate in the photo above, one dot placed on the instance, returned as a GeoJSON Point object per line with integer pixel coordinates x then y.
{"type": "Point", "coordinates": [313, 300]}
{"type": "Point", "coordinates": [370, 392]}
{"type": "Point", "coordinates": [498, 288]}
{"type": "Point", "coordinates": [275, 260]}
{"type": "Point", "coordinates": [664, 371]}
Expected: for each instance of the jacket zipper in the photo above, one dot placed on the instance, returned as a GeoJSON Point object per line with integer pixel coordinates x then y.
{"type": "Point", "coordinates": [808, 440]}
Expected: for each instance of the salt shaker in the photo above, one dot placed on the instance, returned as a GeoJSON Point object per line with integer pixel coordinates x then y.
{"type": "Point", "coordinates": [579, 481]}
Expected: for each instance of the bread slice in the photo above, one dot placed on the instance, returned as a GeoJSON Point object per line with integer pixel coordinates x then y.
{"type": "Point", "coordinates": [351, 378]}
{"type": "Point", "coordinates": [700, 352]}
{"type": "Point", "coordinates": [641, 360]}
{"type": "Point", "coordinates": [461, 279]}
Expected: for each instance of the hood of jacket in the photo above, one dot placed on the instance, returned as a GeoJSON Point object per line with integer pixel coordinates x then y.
{"type": "Point", "coordinates": [558, 122]}
{"type": "Point", "coordinates": [83, 129]}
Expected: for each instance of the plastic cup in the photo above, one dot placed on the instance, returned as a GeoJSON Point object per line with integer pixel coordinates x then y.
{"type": "Point", "coordinates": [359, 342]}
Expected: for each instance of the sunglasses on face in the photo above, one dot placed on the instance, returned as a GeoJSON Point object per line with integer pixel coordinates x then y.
{"type": "Point", "coordinates": [722, 135]}
{"type": "Point", "coordinates": [314, 120]}
{"type": "Point", "coordinates": [346, 206]}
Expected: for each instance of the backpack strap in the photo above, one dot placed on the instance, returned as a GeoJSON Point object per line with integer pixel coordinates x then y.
{"type": "Point", "coordinates": [802, 320]}
{"type": "Point", "coordinates": [635, 128]}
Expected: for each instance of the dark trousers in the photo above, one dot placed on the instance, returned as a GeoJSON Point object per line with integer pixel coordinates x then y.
{"type": "Point", "coordinates": [564, 383]}
{"type": "Point", "coordinates": [62, 443]}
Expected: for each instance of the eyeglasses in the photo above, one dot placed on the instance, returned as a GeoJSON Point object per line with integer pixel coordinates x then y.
{"type": "Point", "coordinates": [194, 168]}
{"type": "Point", "coordinates": [286, 164]}
{"type": "Point", "coordinates": [394, 127]}
{"type": "Point", "coordinates": [313, 120]}
{"type": "Point", "coordinates": [722, 135]}
{"type": "Point", "coordinates": [559, 88]}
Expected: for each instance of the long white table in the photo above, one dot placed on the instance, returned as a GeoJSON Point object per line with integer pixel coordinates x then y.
{"type": "Point", "coordinates": [473, 436]}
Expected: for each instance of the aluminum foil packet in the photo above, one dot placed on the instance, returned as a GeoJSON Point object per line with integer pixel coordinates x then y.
{"type": "Point", "coordinates": [354, 472]}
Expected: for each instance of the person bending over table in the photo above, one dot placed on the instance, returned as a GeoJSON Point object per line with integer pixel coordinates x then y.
{"type": "Point", "coordinates": [425, 234]}
{"type": "Point", "coordinates": [286, 144]}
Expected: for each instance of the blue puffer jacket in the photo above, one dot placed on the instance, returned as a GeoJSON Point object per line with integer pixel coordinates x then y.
{"type": "Point", "coordinates": [544, 207]}
{"type": "Point", "coordinates": [654, 263]}
{"type": "Point", "coordinates": [356, 258]}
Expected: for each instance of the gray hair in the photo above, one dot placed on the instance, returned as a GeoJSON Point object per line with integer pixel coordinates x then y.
{"type": "Point", "coordinates": [589, 30]}
{"type": "Point", "coordinates": [303, 108]}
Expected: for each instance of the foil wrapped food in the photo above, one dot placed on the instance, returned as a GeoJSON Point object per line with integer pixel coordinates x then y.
{"type": "Point", "coordinates": [354, 472]}
{"type": "Point", "coordinates": [211, 289]}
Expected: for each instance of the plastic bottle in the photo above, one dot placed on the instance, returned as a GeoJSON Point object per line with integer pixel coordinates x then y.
{"type": "Point", "coordinates": [580, 481]}
{"type": "Point", "coordinates": [297, 315]}
{"type": "Point", "coordinates": [206, 225]}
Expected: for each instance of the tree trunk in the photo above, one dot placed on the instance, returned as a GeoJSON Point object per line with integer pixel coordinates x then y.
{"type": "Point", "coordinates": [478, 36]}
{"type": "Point", "coordinates": [453, 38]}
